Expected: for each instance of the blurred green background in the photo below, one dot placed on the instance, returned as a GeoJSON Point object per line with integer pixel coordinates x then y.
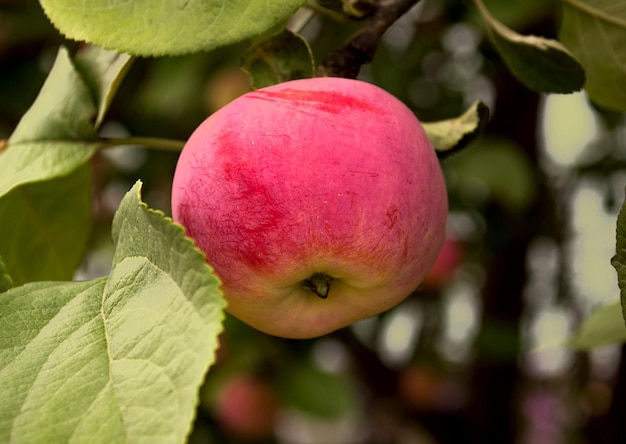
{"type": "Point", "coordinates": [478, 353]}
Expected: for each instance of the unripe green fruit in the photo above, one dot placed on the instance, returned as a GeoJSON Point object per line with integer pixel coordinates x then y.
{"type": "Point", "coordinates": [318, 202]}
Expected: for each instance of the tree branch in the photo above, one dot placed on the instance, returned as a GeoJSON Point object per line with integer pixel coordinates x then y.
{"type": "Point", "coordinates": [360, 48]}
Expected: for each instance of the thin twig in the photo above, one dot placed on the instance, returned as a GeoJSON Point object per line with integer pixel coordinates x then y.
{"type": "Point", "coordinates": [148, 142]}
{"type": "Point", "coordinates": [360, 48]}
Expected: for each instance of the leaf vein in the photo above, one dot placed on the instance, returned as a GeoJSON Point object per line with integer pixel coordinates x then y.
{"type": "Point", "coordinates": [596, 13]}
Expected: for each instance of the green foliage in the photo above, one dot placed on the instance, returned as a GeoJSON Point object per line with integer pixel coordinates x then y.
{"type": "Point", "coordinates": [619, 260]}
{"type": "Point", "coordinates": [519, 13]}
{"type": "Point", "coordinates": [148, 28]}
{"type": "Point", "coordinates": [282, 57]}
{"type": "Point", "coordinates": [45, 188]}
{"type": "Point", "coordinates": [454, 134]}
{"type": "Point", "coordinates": [500, 168]}
{"type": "Point", "coordinates": [541, 64]}
{"type": "Point", "coordinates": [117, 359]}
{"type": "Point", "coordinates": [103, 72]}
{"type": "Point", "coordinates": [595, 32]}
{"type": "Point", "coordinates": [604, 327]}
{"type": "Point", "coordinates": [45, 226]}
{"type": "Point", "coordinates": [5, 280]}
{"type": "Point", "coordinates": [56, 135]}
{"type": "Point", "coordinates": [316, 392]}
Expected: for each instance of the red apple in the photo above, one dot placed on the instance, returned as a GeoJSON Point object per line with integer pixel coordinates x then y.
{"type": "Point", "coordinates": [449, 259]}
{"type": "Point", "coordinates": [318, 202]}
{"type": "Point", "coordinates": [246, 407]}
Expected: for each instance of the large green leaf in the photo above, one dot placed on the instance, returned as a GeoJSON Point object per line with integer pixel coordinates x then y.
{"type": "Point", "coordinates": [118, 359]}
{"type": "Point", "coordinates": [155, 28]}
{"type": "Point", "coordinates": [541, 64]}
{"type": "Point", "coordinates": [619, 260]}
{"type": "Point", "coordinates": [603, 327]}
{"type": "Point", "coordinates": [595, 32]}
{"type": "Point", "coordinates": [44, 227]}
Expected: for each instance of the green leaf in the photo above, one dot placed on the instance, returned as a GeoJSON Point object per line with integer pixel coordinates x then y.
{"type": "Point", "coordinates": [498, 167]}
{"type": "Point", "coordinates": [316, 392]}
{"type": "Point", "coordinates": [56, 134]}
{"type": "Point", "coordinates": [595, 32]}
{"type": "Point", "coordinates": [103, 72]}
{"type": "Point", "coordinates": [282, 57]}
{"type": "Point", "coordinates": [451, 135]}
{"type": "Point", "coordinates": [603, 327]}
{"type": "Point", "coordinates": [619, 260]}
{"type": "Point", "coordinates": [117, 359]}
{"type": "Point", "coordinates": [5, 279]}
{"type": "Point", "coordinates": [45, 186]}
{"type": "Point", "coordinates": [149, 28]}
{"type": "Point", "coordinates": [44, 227]}
{"type": "Point", "coordinates": [519, 13]}
{"type": "Point", "coordinates": [543, 65]}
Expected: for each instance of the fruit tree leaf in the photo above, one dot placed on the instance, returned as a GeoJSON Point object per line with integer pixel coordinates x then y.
{"type": "Point", "coordinates": [619, 260]}
{"type": "Point", "coordinates": [5, 279]}
{"type": "Point", "coordinates": [56, 134]}
{"type": "Point", "coordinates": [541, 64]}
{"type": "Point", "coordinates": [156, 28]}
{"type": "Point", "coordinates": [603, 327]}
{"type": "Point", "coordinates": [499, 167]}
{"type": "Point", "coordinates": [451, 135]}
{"type": "Point", "coordinates": [44, 227]}
{"type": "Point", "coordinates": [322, 394]}
{"type": "Point", "coordinates": [595, 32]}
{"type": "Point", "coordinates": [118, 359]}
{"type": "Point", "coordinates": [282, 57]}
{"type": "Point", "coordinates": [102, 72]}
{"type": "Point", "coordinates": [45, 186]}
{"type": "Point", "coordinates": [44, 201]}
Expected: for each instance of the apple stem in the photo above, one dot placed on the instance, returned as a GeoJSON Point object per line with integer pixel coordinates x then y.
{"type": "Point", "coordinates": [319, 284]}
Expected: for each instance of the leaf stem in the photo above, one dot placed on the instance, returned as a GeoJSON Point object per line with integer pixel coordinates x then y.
{"type": "Point", "coordinates": [148, 142]}
{"type": "Point", "coordinates": [484, 11]}
{"type": "Point", "coordinates": [333, 15]}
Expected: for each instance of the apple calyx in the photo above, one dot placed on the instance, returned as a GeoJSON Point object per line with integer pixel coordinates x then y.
{"type": "Point", "coordinates": [319, 284]}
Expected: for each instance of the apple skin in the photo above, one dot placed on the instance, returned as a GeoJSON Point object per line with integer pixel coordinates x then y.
{"type": "Point", "coordinates": [322, 177]}
{"type": "Point", "coordinates": [448, 261]}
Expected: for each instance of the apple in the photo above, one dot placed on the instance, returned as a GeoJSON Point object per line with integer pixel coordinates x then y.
{"type": "Point", "coordinates": [448, 261]}
{"type": "Point", "coordinates": [246, 407]}
{"type": "Point", "coordinates": [318, 202]}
